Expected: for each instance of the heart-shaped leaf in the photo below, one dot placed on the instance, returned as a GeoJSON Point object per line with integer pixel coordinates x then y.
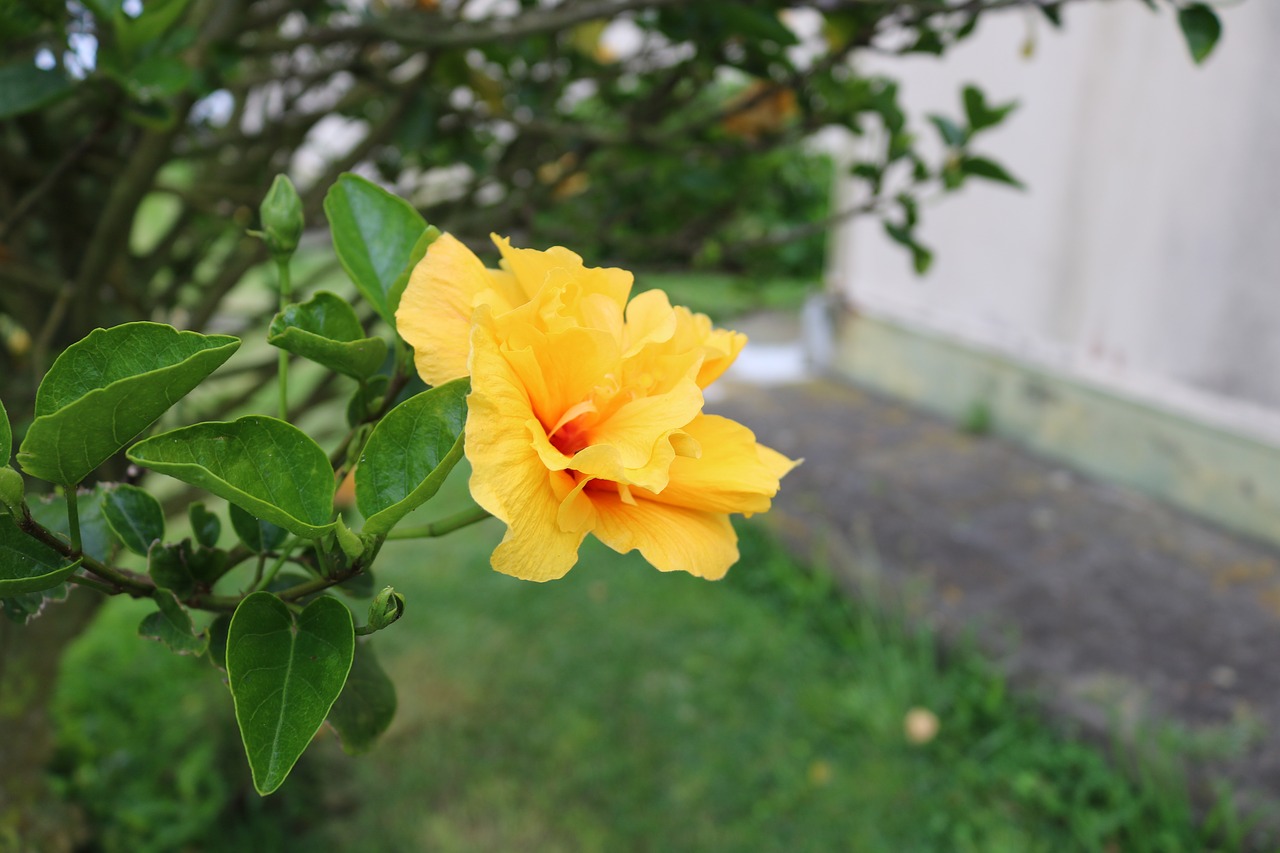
{"type": "Point", "coordinates": [171, 625]}
{"type": "Point", "coordinates": [267, 467]}
{"type": "Point", "coordinates": [27, 565]}
{"type": "Point", "coordinates": [104, 390]}
{"type": "Point", "coordinates": [326, 330]}
{"type": "Point", "coordinates": [285, 673]}
{"type": "Point", "coordinates": [374, 234]}
{"type": "Point", "coordinates": [367, 704]}
{"type": "Point", "coordinates": [409, 454]}
{"type": "Point", "coordinates": [134, 516]}
{"type": "Point", "coordinates": [257, 534]}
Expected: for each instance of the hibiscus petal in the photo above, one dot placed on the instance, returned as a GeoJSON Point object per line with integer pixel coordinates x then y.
{"type": "Point", "coordinates": [637, 427]}
{"type": "Point", "coordinates": [531, 268]}
{"type": "Point", "coordinates": [733, 473]}
{"type": "Point", "coordinates": [434, 315]}
{"type": "Point", "coordinates": [671, 538]}
{"type": "Point", "coordinates": [508, 478]}
{"type": "Point", "coordinates": [650, 319]}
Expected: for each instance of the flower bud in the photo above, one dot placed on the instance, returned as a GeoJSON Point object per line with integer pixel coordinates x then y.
{"type": "Point", "coordinates": [281, 213]}
{"type": "Point", "coordinates": [386, 607]}
{"type": "Point", "coordinates": [12, 490]}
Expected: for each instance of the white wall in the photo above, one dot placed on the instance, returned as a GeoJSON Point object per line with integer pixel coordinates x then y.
{"type": "Point", "coordinates": [1146, 253]}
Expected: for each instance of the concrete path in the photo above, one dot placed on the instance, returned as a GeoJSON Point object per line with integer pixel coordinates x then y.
{"type": "Point", "coordinates": [1115, 612]}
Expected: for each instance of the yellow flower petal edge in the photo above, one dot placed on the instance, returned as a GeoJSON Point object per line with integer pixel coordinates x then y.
{"type": "Point", "coordinates": [585, 413]}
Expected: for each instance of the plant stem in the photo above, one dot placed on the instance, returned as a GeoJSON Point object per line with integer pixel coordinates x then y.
{"type": "Point", "coordinates": [257, 574]}
{"type": "Point", "coordinates": [93, 583]}
{"type": "Point", "coordinates": [440, 527]}
{"type": "Point", "coordinates": [275, 567]}
{"type": "Point", "coordinates": [326, 566]}
{"type": "Point", "coordinates": [282, 362]}
{"type": "Point", "coordinates": [121, 580]}
{"type": "Point", "coordinates": [73, 517]}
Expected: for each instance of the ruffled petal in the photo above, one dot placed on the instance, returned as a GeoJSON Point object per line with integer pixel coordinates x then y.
{"type": "Point", "coordinates": [671, 538]}
{"type": "Point", "coordinates": [732, 474]}
{"type": "Point", "coordinates": [434, 315]}
{"type": "Point", "coordinates": [508, 478]}
{"type": "Point", "coordinates": [532, 267]}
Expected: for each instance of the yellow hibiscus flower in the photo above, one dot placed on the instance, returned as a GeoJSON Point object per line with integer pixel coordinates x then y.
{"type": "Point", "coordinates": [585, 413]}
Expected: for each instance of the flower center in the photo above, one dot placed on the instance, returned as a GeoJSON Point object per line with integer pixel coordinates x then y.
{"type": "Point", "coordinates": [569, 435]}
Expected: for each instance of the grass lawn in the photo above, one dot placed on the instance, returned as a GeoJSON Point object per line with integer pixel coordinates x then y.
{"type": "Point", "coordinates": [618, 709]}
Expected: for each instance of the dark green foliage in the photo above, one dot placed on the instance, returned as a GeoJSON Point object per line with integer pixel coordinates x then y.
{"type": "Point", "coordinates": [1201, 28]}
{"type": "Point", "coordinates": [691, 155]}
{"type": "Point", "coordinates": [265, 466]}
{"type": "Point", "coordinates": [410, 453]}
{"type": "Point", "coordinates": [326, 330]}
{"type": "Point", "coordinates": [286, 670]}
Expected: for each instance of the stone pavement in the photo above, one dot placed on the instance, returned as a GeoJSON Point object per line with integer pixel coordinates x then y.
{"type": "Point", "coordinates": [1116, 613]}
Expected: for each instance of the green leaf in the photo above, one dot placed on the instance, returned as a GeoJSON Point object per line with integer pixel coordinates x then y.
{"type": "Point", "coordinates": [326, 330]}
{"type": "Point", "coordinates": [157, 78]}
{"type": "Point", "coordinates": [134, 516]}
{"type": "Point", "coordinates": [265, 466]}
{"type": "Point", "coordinates": [6, 436]}
{"type": "Point", "coordinates": [981, 167]}
{"type": "Point", "coordinates": [24, 608]}
{"type": "Point", "coordinates": [285, 675]}
{"type": "Point", "coordinates": [928, 41]}
{"type": "Point", "coordinates": [374, 234]}
{"type": "Point", "coordinates": [28, 606]}
{"type": "Point", "coordinates": [97, 539]}
{"type": "Point", "coordinates": [979, 113]}
{"type": "Point", "coordinates": [107, 388]}
{"type": "Point", "coordinates": [25, 88]}
{"type": "Point", "coordinates": [156, 18]}
{"type": "Point", "coordinates": [366, 399]}
{"type": "Point", "coordinates": [171, 625]}
{"type": "Point", "coordinates": [409, 454]}
{"type": "Point", "coordinates": [217, 651]}
{"type": "Point", "coordinates": [367, 704]}
{"type": "Point", "coordinates": [1201, 28]}
{"type": "Point", "coordinates": [205, 526]}
{"type": "Point", "coordinates": [27, 565]}
{"type": "Point", "coordinates": [921, 257]}
{"type": "Point", "coordinates": [952, 134]}
{"type": "Point", "coordinates": [258, 535]}
{"type": "Point", "coordinates": [184, 566]}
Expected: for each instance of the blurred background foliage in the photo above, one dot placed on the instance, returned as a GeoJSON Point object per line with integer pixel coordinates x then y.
{"type": "Point", "coordinates": [138, 137]}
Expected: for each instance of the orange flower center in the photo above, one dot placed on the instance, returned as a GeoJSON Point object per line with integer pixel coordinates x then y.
{"type": "Point", "coordinates": [570, 437]}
